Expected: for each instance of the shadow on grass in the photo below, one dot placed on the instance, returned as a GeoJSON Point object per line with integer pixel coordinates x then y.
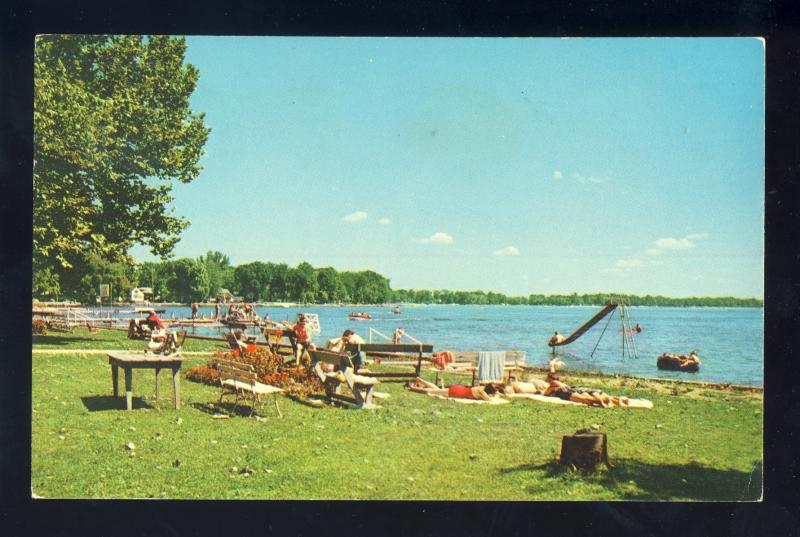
{"type": "Point", "coordinates": [97, 403]}
{"type": "Point", "coordinates": [636, 480]}
{"type": "Point", "coordinates": [59, 340]}
{"type": "Point", "coordinates": [229, 409]}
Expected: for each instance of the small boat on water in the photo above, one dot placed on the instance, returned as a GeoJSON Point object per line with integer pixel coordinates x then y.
{"type": "Point", "coordinates": [676, 363]}
{"type": "Point", "coordinates": [396, 310]}
{"type": "Point", "coordinates": [360, 316]}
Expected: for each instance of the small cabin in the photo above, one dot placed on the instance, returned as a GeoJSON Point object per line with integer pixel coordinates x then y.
{"type": "Point", "coordinates": [140, 294]}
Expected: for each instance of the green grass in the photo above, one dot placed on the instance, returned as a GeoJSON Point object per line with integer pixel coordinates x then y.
{"type": "Point", "coordinates": [695, 444]}
{"type": "Point", "coordinates": [80, 338]}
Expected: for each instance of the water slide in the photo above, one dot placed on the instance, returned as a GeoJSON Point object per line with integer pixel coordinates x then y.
{"type": "Point", "coordinates": [608, 308]}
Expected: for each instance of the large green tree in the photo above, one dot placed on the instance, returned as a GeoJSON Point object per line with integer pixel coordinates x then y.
{"type": "Point", "coordinates": [186, 280]}
{"type": "Point", "coordinates": [220, 271]}
{"type": "Point", "coordinates": [113, 130]}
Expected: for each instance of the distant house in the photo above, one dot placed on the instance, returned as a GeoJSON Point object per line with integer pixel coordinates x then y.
{"type": "Point", "coordinates": [225, 297]}
{"type": "Point", "coordinates": [140, 294]}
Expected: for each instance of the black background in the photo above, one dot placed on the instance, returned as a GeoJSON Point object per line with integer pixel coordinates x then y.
{"type": "Point", "coordinates": [777, 22]}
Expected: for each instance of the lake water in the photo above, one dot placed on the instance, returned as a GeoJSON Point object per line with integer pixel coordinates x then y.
{"type": "Point", "coordinates": [730, 341]}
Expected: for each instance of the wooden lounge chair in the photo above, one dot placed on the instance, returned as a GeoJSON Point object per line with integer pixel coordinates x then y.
{"type": "Point", "coordinates": [240, 379]}
{"type": "Point", "coordinates": [139, 329]}
{"type": "Point", "coordinates": [172, 344]}
{"type": "Point", "coordinates": [343, 373]}
{"type": "Point", "coordinates": [467, 363]}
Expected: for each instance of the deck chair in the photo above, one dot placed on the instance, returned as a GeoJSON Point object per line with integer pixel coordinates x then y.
{"type": "Point", "coordinates": [240, 380]}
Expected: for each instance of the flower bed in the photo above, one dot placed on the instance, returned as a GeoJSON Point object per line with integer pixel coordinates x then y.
{"type": "Point", "coordinates": [270, 369]}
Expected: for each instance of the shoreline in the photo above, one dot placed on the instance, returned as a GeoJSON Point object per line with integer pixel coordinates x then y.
{"type": "Point", "coordinates": [38, 304]}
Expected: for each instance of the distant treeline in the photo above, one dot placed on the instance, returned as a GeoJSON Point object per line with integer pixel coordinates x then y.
{"type": "Point", "coordinates": [425, 296]}
{"type": "Point", "coordinates": [194, 280]}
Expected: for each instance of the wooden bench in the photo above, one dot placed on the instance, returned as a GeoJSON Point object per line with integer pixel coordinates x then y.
{"type": "Point", "coordinates": [343, 373]}
{"type": "Point", "coordinates": [240, 379]}
{"type": "Point", "coordinates": [467, 363]}
{"type": "Point", "coordinates": [393, 354]}
{"type": "Point", "coordinates": [59, 325]}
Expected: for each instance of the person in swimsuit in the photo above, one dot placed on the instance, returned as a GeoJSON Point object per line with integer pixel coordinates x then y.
{"type": "Point", "coordinates": [488, 392]}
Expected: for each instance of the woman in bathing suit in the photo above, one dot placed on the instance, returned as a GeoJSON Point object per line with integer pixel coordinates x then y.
{"type": "Point", "coordinates": [458, 391]}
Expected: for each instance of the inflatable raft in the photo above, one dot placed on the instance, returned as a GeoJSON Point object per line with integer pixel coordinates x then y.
{"type": "Point", "coordinates": [669, 363]}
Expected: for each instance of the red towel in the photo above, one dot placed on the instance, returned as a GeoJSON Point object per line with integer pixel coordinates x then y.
{"type": "Point", "coordinates": [442, 358]}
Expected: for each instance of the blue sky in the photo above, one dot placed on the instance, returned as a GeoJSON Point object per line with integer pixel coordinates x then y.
{"type": "Point", "coordinates": [514, 165]}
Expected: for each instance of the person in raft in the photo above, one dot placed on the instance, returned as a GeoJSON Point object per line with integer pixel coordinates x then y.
{"type": "Point", "coordinates": [692, 359]}
{"type": "Point", "coordinates": [487, 392]}
{"type": "Point", "coordinates": [556, 339]}
{"type": "Point", "coordinates": [299, 337]}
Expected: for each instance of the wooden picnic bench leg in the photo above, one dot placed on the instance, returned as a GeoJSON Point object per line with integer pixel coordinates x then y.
{"type": "Point", "coordinates": [176, 386]}
{"type": "Point", "coordinates": [128, 387]}
{"type": "Point", "coordinates": [368, 398]}
{"type": "Point", "coordinates": [158, 370]}
{"type": "Point", "coordinates": [115, 379]}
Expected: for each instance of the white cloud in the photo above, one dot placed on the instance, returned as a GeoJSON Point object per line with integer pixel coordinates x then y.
{"type": "Point", "coordinates": [682, 243]}
{"type": "Point", "coordinates": [437, 238]}
{"type": "Point", "coordinates": [357, 216]}
{"type": "Point", "coordinates": [629, 263]}
{"type": "Point", "coordinates": [653, 251]}
{"type": "Point", "coordinates": [670, 243]}
{"type": "Point", "coordinates": [697, 236]}
{"type": "Point", "coordinates": [557, 175]}
{"type": "Point", "coordinates": [596, 179]}
{"type": "Point", "coordinates": [385, 221]}
{"type": "Point", "coordinates": [507, 251]}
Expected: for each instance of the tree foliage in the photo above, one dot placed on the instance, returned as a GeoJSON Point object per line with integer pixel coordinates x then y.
{"type": "Point", "coordinates": [188, 280]}
{"type": "Point", "coordinates": [112, 130]}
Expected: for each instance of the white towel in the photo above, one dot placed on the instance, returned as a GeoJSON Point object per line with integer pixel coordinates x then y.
{"type": "Point", "coordinates": [490, 366]}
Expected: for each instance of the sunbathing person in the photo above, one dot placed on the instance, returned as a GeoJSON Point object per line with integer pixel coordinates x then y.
{"type": "Point", "coordinates": [487, 392]}
{"type": "Point", "coordinates": [587, 396]}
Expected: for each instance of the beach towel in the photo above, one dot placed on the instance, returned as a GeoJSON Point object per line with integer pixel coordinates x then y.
{"type": "Point", "coordinates": [490, 366]}
{"type": "Point", "coordinates": [497, 401]}
{"type": "Point", "coordinates": [443, 358]}
{"type": "Point", "coordinates": [632, 403]}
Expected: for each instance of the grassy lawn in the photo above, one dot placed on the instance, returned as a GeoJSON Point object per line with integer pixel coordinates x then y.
{"type": "Point", "coordinates": [80, 338]}
{"type": "Point", "coordinates": [695, 444]}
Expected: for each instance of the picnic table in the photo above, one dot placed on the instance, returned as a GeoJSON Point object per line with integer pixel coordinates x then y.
{"type": "Point", "coordinates": [128, 362]}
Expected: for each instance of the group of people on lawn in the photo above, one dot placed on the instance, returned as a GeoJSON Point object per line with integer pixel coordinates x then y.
{"type": "Point", "coordinates": [550, 386]}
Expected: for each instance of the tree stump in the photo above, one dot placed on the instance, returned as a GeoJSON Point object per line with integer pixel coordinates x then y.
{"type": "Point", "coordinates": [584, 451]}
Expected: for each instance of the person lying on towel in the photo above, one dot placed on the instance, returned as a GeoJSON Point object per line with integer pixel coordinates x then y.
{"type": "Point", "coordinates": [587, 396]}
{"type": "Point", "coordinates": [487, 392]}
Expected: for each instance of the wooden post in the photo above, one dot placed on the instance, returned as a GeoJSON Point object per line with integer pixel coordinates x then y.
{"type": "Point", "coordinates": [176, 392]}
{"type": "Point", "coordinates": [115, 379]}
{"type": "Point", "coordinates": [584, 451]}
{"type": "Point", "coordinates": [129, 388]}
{"type": "Point", "coordinates": [158, 369]}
